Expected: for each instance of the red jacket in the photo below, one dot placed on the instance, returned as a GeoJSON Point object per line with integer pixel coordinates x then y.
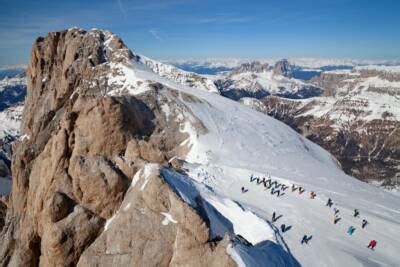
{"type": "Point", "coordinates": [372, 243]}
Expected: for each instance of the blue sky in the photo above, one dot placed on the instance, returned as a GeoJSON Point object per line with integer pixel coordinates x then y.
{"type": "Point", "coordinates": [360, 29]}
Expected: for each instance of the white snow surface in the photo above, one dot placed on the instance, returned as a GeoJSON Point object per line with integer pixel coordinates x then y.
{"type": "Point", "coordinates": [180, 76]}
{"type": "Point", "coordinates": [241, 142]}
{"type": "Point", "coordinates": [168, 218]}
{"type": "Point", "coordinates": [10, 121]}
{"type": "Point", "coordinates": [146, 172]}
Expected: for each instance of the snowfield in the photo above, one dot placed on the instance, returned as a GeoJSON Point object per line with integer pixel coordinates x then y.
{"type": "Point", "coordinates": [241, 142]}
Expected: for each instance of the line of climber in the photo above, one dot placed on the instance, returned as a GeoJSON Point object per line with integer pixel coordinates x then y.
{"type": "Point", "coordinates": [274, 186]}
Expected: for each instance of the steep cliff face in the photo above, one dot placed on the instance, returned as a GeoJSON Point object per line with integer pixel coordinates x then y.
{"type": "Point", "coordinates": [80, 150]}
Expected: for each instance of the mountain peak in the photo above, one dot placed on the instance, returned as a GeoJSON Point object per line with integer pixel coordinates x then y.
{"type": "Point", "coordinates": [283, 67]}
{"type": "Point", "coordinates": [254, 66]}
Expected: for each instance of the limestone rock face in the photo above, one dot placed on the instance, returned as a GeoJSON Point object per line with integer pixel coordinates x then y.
{"type": "Point", "coordinates": [3, 210]}
{"type": "Point", "coordinates": [171, 233]}
{"type": "Point", "coordinates": [75, 165]}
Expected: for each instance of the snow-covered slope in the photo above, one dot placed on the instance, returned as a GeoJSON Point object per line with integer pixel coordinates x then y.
{"type": "Point", "coordinates": [240, 142]}
{"type": "Point", "coordinates": [180, 76]}
{"type": "Point", "coordinates": [356, 118]}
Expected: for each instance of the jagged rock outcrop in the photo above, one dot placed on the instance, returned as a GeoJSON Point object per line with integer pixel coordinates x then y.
{"type": "Point", "coordinates": [75, 164]}
{"type": "Point", "coordinates": [283, 67]}
{"type": "Point", "coordinates": [254, 66]}
{"type": "Point", "coordinates": [154, 227]}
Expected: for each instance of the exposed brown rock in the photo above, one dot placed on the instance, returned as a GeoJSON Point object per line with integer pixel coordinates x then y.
{"type": "Point", "coordinates": [3, 211]}
{"type": "Point", "coordinates": [142, 234]}
{"type": "Point", "coordinates": [82, 150]}
{"type": "Point", "coordinates": [63, 242]}
{"type": "Point", "coordinates": [283, 67]}
{"type": "Point", "coordinates": [60, 206]}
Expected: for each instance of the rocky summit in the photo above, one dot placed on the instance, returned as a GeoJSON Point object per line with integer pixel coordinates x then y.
{"type": "Point", "coordinates": [74, 165]}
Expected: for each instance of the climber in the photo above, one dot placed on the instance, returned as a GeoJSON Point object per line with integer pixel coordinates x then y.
{"type": "Point", "coordinates": [301, 190]}
{"type": "Point", "coordinates": [306, 239]}
{"type": "Point", "coordinates": [273, 192]}
{"type": "Point", "coordinates": [283, 228]}
{"type": "Point", "coordinates": [364, 223]}
{"type": "Point", "coordinates": [267, 183]}
{"type": "Point", "coordinates": [336, 210]}
{"type": "Point", "coordinates": [275, 218]}
{"type": "Point", "coordinates": [284, 187]}
{"type": "Point", "coordinates": [312, 195]}
{"type": "Point", "coordinates": [336, 219]}
{"type": "Point", "coordinates": [294, 188]}
{"type": "Point", "coordinates": [259, 181]}
{"type": "Point", "coordinates": [356, 213]}
{"type": "Point", "coordinates": [372, 244]}
{"type": "Point", "coordinates": [244, 190]}
{"type": "Point", "coordinates": [329, 203]}
{"type": "Point", "coordinates": [252, 178]}
{"type": "Point", "coordinates": [351, 230]}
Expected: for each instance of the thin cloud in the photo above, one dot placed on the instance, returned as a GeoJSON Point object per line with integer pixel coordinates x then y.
{"type": "Point", "coordinates": [155, 34]}
{"type": "Point", "coordinates": [121, 8]}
